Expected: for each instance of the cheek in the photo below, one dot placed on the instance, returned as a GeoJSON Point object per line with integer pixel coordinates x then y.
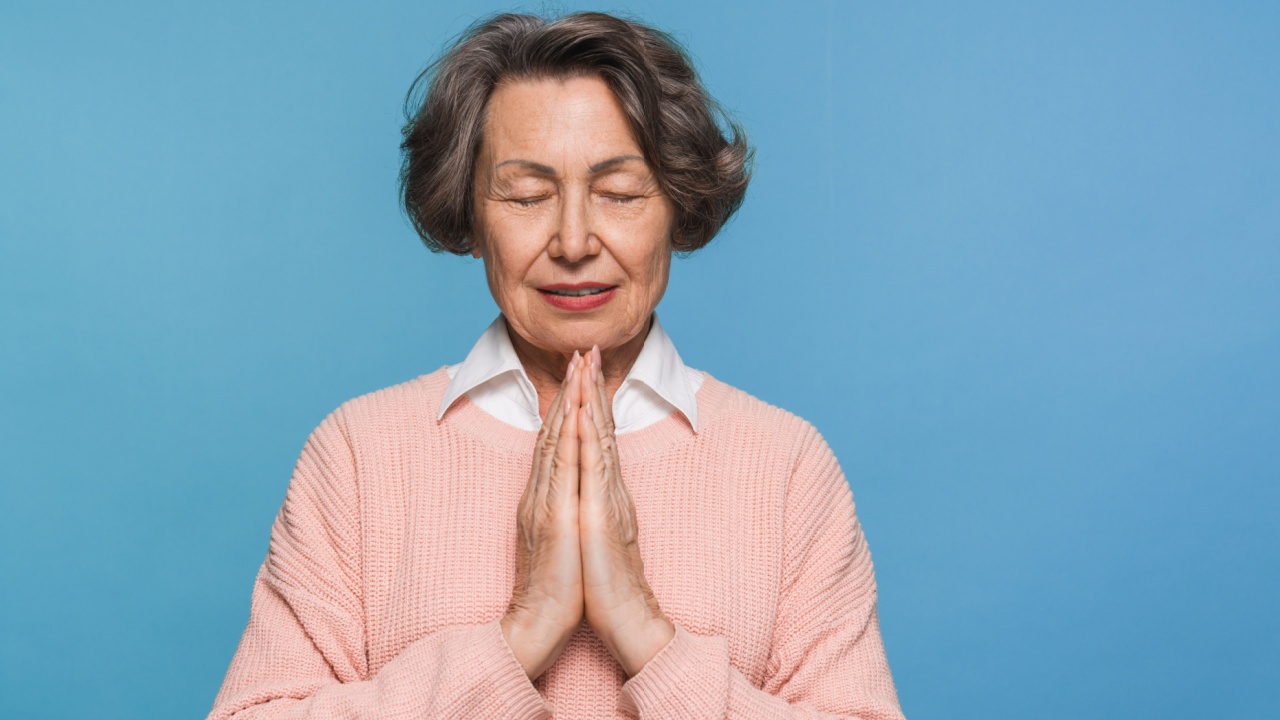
{"type": "Point", "coordinates": [503, 273]}
{"type": "Point", "coordinates": [508, 256]}
{"type": "Point", "coordinates": [493, 253]}
{"type": "Point", "coordinates": [660, 252]}
{"type": "Point", "coordinates": [651, 266]}
{"type": "Point", "coordinates": [662, 273]}
{"type": "Point", "coordinates": [493, 273]}
{"type": "Point", "coordinates": [659, 268]}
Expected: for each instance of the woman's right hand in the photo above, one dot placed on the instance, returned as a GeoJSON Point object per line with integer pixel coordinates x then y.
{"type": "Point", "coordinates": [546, 605]}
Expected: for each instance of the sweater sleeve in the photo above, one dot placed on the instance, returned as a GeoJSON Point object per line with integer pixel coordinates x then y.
{"type": "Point", "coordinates": [827, 659]}
{"type": "Point", "coordinates": [303, 652]}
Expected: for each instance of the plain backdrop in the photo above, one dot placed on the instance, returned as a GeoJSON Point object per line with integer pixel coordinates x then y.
{"type": "Point", "coordinates": [1019, 262]}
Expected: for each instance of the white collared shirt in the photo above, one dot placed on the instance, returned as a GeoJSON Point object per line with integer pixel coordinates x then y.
{"type": "Point", "coordinates": [493, 378]}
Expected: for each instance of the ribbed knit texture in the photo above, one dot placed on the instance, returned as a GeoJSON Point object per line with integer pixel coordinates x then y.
{"type": "Point", "coordinates": [393, 558]}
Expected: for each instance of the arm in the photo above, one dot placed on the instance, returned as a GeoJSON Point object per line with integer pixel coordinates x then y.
{"type": "Point", "coordinates": [303, 653]}
{"type": "Point", "coordinates": [827, 659]}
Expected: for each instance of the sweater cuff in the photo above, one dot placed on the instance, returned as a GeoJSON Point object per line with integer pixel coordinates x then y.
{"type": "Point", "coordinates": [485, 662]}
{"type": "Point", "coordinates": [687, 679]}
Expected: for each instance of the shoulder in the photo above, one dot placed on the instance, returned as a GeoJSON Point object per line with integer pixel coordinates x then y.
{"type": "Point", "coordinates": [406, 407]}
{"type": "Point", "coordinates": [356, 446]}
{"type": "Point", "coordinates": [727, 411]}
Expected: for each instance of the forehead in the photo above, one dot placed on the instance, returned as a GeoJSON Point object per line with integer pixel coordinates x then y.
{"type": "Point", "coordinates": [554, 120]}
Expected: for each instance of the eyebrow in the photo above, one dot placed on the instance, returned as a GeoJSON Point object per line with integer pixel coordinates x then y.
{"type": "Point", "coordinates": [548, 170]}
{"type": "Point", "coordinates": [606, 164]}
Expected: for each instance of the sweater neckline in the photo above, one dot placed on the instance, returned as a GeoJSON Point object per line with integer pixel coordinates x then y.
{"type": "Point", "coordinates": [466, 417]}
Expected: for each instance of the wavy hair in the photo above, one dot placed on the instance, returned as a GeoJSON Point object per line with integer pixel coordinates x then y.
{"type": "Point", "coordinates": [701, 167]}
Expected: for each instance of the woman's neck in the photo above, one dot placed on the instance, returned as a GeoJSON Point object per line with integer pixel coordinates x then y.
{"type": "Point", "coordinates": [546, 368]}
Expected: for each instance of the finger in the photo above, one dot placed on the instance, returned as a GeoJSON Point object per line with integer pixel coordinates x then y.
{"type": "Point", "coordinates": [556, 415]}
{"type": "Point", "coordinates": [604, 414]}
{"type": "Point", "coordinates": [592, 397]}
{"type": "Point", "coordinates": [563, 478]}
{"type": "Point", "coordinates": [539, 486]}
{"type": "Point", "coordinates": [609, 490]}
{"type": "Point", "coordinates": [602, 409]}
{"type": "Point", "coordinates": [591, 460]}
{"type": "Point", "coordinates": [558, 410]}
{"type": "Point", "coordinates": [605, 499]}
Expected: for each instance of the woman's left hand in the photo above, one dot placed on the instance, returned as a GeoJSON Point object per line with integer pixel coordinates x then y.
{"type": "Point", "coordinates": [619, 605]}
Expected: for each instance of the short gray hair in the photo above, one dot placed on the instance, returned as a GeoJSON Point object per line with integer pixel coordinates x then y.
{"type": "Point", "coordinates": [703, 169]}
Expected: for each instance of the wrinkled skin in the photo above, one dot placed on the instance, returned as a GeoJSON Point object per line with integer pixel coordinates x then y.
{"type": "Point", "coordinates": [619, 603]}
{"type": "Point", "coordinates": [547, 604]}
{"type": "Point", "coordinates": [579, 554]}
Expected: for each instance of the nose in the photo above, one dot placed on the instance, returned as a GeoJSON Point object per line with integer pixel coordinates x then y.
{"type": "Point", "coordinates": [574, 238]}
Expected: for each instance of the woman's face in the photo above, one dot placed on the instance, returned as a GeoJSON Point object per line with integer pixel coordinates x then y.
{"type": "Point", "coordinates": [573, 228]}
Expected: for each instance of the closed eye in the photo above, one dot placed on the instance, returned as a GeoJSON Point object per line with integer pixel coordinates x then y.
{"type": "Point", "coordinates": [529, 201]}
{"type": "Point", "coordinates": [622, 199]}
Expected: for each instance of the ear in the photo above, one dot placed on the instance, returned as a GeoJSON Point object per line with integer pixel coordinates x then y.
{"type": "Point", "coordinates": [476, 251]}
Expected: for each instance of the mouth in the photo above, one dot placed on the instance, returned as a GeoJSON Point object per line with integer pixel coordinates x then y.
{"type": "Point", "coordinates": [576, 290]}
{"type": "Point", "coordinates": [577, 296]}
{"type": "Point", "coordinates": [576, 293]}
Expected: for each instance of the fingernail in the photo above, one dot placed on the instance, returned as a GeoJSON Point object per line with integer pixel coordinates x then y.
{"type": "Point", "coordinates": [569, 375]}
{"type": "Point", "coordinates": [589, 413]}
{"type": "Point", "coordinates": [566, 409]}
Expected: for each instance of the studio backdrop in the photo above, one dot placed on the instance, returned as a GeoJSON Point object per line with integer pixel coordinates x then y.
{"type": "Point", "coordinates": [1018, 262]}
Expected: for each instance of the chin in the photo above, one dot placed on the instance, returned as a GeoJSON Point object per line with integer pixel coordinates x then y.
{"type": "Point", "coordinates": [581, 335]}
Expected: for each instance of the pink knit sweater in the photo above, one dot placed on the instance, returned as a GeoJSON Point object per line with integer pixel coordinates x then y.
{"type": "Point", "coordinates": [393, 558]}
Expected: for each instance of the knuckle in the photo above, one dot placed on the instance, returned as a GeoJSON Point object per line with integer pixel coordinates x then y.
{"type": "Point", "coordinates": [548, 445]}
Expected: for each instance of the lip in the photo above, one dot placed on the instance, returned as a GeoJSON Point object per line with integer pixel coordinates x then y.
{"type": "Point", "coordinates": [581, 303]}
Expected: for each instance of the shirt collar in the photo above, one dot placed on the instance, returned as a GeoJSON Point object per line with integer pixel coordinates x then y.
{"type": "Point", "coordinates": [658, 368]}
{"type": "Point", "coordinates": [492, 357]}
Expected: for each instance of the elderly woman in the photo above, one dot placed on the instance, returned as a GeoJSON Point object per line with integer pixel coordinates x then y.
{"type": "Point", "coordinates": [570, 522]}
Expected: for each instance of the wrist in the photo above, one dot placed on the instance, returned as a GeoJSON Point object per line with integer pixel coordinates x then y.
{"type": "Point", "coordinates": [642, 644]}
{"type": "Point", "coordinates": [533, 641]}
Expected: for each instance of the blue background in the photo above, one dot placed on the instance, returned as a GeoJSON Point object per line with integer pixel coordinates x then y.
{"type": "Point", "coordinates": [1018, 263]}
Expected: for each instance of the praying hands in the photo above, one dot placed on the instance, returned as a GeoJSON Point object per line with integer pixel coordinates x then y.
{"type": "Point", "coordinates": [578, 552]}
